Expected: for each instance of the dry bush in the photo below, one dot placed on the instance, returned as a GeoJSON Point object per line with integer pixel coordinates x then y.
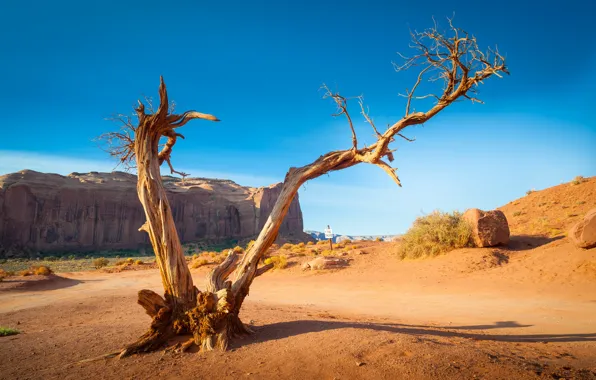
{"type": "Point", "coordinates": [310, 243]}
{"type": "Point", "coordinates": [287, 246]}
{"type": "Point", "coordinates": [321, 242]}
{"type": "Point", "coordinates": [238, 249]}
{"type": "Point", "coordinates": [120, 262]}
{"type": "Point", "coordinates": [199, 263]}
{"type": "Point", "coordinates": [300, 245]}
{"type": "Point", "coordinates": [25, 272]}
{"type": "Point", "coordinates": [378, 239]}
{"type": "Point", "coordinates": [249, 245]}
{"type": "Point", "coordinates": [139, 262]}
{"type": "Point", "coordinates": [101, 262]}
{"type": "Point", "coordinates": [578, 180]}
{"type": "Point", "coordinates": [220, 258]}
{"type": "Point", "coordinates": [41, 270]}
{"type": "Point", "coordinates": [434, 234]}
{"type": "Point", "coordinates": [279, 262]}
{"type": "Point", "coordinates": [130, 261]}
{"type": "Point", "coordinates": [530, 192]}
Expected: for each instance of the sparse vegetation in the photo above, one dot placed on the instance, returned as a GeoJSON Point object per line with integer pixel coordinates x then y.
{"type": "Point", "coordinates": [238, 249]}
{"type": "Point", "coordinates": [199, 263]}
{"type": "Point", "coordinates": [100, 262]}
{"type": "Point", "coordinates": [139, 262]}
{"type": "Point", "coordinates": [6, 331]}
{"type": "Point", "coordinates": [530, 192]}
{"type": "Point", "coordinates": [517, 213]}
{"type": "Point", "coordinates": [287, 246]}
{"type": "Point", "coordinates": [434, 234]}
{"type": "Point", "coordinates": [378, 239]}
{"type": "Point", "coordinates": [578, 180]}
{"type": "Point", "coordinates": [279, 262]}
{"type": "Point", "coordinates": [41, 270]}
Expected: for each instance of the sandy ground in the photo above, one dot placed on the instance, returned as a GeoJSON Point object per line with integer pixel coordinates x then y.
{"type": "Point", "coordinates": [515, 313]}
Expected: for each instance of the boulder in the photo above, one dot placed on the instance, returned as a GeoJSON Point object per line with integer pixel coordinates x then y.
{"type": "Point", "coordinates": [583, 234]}
{"type": "Point", "coordinates": [324, 263]}
{"type": "Point", "coordinates": [490, 228]}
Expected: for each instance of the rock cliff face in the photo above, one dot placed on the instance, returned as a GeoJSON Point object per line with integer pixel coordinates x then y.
{"type": "Point", "coordinates": [94, 211]}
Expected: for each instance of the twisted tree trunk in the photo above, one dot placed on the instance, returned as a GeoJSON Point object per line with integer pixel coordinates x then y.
{"type": "Point", "coordinates": [212, 316]}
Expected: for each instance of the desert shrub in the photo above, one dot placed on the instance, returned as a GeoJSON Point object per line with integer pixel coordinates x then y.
{"type": "Point", "coordinates": [72, 257]}
{"type": "Point", "coordinates": [434, 234]}
{"type": "Point", "coordinates": [41, 270]}
{"type": "Point", "coordinates": [6, 331]}
{"type": "Point", "coordinates": [300, 245]}
{"type": "Point", "coordinates": [310, 243]}
{"type": "Point", "coordinates": [120, 262]}
{"type": "Point", "coordinates": [52, 258]}
{"type": "Point", "coordinates": [530, 192]}
{"type": "Point", "coordinates": [577, 180]}
{"type": "Point", "coordinates": [279, 262]}
{"type": "Point", "coordinates": [25, 272]}
{"type": "Point", "coordinates": [101, 262]}
{"type": "Point", "coordinates": [517, 213]}
{"type": "Point", "coordinates": [238, 249]}
{"type": "Point", "coordinates": [287, 246]}
{"type": "Point", "coordinates": [250, 244]}
{"type": "Point", "coordinates": [139, 262]}
{"type": "Point", "coordinates": [213, 254]}
{"type": "Point", "coordinates": [327, 252]}
{"type": "Point", "coordinates": [378, 239]}
{"type": "Point", "coordinates": [199, 263]}
{"type": "Point", "coordinates": [195, 256]}
{"type": "Point", "coordinates": [321, 242]}
{"type": "Point", "coordinates": [219, 258]}
{"type": "Point", "coordinates": [130, 260]}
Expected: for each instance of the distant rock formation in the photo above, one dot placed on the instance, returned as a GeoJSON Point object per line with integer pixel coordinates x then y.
{"type": "Point", "coordinates": [98, 211]}
{"type": "Point", "coordinates": [583, 233]}
{"type": "Point", "coordinates": [490, 228]}
{"type": "Point", "coordinates": [339, 238]}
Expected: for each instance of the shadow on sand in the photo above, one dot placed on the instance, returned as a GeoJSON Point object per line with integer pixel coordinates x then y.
{"type": "Point", "coordinates": [525, 242]}
{"type": "Point", "coordinates": [282, 330]}
{"type": "Point", "coordinates": [35, 283]}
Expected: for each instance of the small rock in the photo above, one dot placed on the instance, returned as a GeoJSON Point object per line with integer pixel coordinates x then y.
{"type": "Point", "coordinates": [360, 364]}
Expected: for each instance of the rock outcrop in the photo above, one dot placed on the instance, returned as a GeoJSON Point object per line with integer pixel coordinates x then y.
{"type": "Point", "coordinates": [97, 211]}
{"type": "Point", "coordinates": [583, 234]}
{"type": "Point", "coordinates": [490, 228]}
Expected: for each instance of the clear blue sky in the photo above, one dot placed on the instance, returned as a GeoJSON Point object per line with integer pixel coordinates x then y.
{"type": "Point", "coordinates": [258, 66]}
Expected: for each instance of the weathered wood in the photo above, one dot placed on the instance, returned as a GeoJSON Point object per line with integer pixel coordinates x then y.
{"type": "Point", "coordinates": [151, 302]}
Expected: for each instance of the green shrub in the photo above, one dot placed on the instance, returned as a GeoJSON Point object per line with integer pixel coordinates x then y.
{"type": "Point", "coordinates": [434, 234]}
{"type": "Point", "coordinates": [6, 331]}
{"type": "Point", "coordinates": [101, 262]}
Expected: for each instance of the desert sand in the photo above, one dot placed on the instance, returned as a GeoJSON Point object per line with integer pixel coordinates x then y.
{"type": "Point", "coordinates": [523, 311]}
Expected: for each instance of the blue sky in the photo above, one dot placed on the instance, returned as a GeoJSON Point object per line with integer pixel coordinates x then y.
{"type": "Point", "coordinates": [258, 66]}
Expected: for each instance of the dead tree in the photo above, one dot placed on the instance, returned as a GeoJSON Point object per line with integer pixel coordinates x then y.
{"type": "Point", "coordinates": [212, 316]}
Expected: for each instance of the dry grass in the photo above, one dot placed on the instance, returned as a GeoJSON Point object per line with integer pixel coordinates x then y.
{"type": "Point", "coordinates": [199, 263]}
{"type": "Point", "coordinates": [100, 262]}
{"type": "Point", "coordinates": [434, 234]}
{"type": "Point", "coordinates": [279, 262]}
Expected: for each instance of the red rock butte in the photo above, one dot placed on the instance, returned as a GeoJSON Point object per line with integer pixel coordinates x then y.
{"type": "Point", "coordinates": [98, 211]}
